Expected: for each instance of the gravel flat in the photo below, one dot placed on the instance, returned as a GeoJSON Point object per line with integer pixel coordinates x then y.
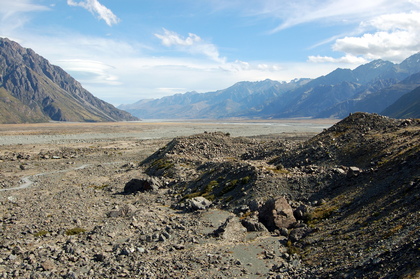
{"type": "Point", "coordinates": [47, 133]}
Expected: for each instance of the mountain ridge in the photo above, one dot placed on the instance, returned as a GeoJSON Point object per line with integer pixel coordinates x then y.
{"type": "Point", "coordinates": [334, 95]}
{"type": "Point", "coordinates": [46, 92]}
{"type": "Point", "coordinates": [407, 106]}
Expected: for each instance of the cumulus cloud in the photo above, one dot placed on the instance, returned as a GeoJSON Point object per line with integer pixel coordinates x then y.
{"type": "Point", "coordinates": [396, 37]}
{"type": "Point", "coordinates": [97, 9]}
{"type": "Point", "coordinates": [192, 44]}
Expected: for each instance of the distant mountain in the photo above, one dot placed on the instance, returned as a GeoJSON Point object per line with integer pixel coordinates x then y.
{"type": "Point", "coordinates": [33, 90]}
{"type": "Point", "coordinates": [407, 106]}
{"type": "Point", "coordinates": [332, 95]}
{"type": "Point", "coordinates": [370, 88]}
{"type": "Point", "coordinates": [373, 101]}
{"type": "Point", "coordinates": [242, 99]}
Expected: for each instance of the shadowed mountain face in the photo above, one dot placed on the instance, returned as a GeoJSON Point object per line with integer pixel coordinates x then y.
{"type": "Point", "coordinates": [33, 90]}
{"type": "Point", "coordinates": [369, 88]}
{"type": "Point", "coordinates": [408, 106]}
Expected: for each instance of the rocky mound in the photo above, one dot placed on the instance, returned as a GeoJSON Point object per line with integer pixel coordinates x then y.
{"type": "Point", "coordinates": [353, 188]}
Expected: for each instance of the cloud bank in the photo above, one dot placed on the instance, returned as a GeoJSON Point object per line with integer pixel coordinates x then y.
{"type": "Point", "coordinates": [397, 36]}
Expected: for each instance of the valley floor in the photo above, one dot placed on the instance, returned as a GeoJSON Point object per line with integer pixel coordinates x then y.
{"type": "Point", "coordinates": [74, 173]}
{"type": "Point", "coordinates": [355, 188]}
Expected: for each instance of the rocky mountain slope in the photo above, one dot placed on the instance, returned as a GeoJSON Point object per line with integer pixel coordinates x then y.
{"type": "Point", "coordinates": [324, 95]}
{"type": "Point", "coordinates": [369, 88]}
{"type": "Point", "coordinates": [407, 106]}
{"type": "Point", "coordinates": [374, 101]}
{"type": "Point", "coordinates": [33, 90]}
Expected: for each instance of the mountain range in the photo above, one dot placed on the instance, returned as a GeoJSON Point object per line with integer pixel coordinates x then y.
{"type": "Point", "coordinates": [371, 87]}
{"type": "Point", "coordinates": [33, 90]}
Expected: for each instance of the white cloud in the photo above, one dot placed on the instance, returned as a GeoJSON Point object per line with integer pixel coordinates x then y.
{"type": "Point", "coordinates": [10, 8]}
{"type": "Point", "coordinates": [193, 44]}
{"type": "Point", "coordinates": [348, 59]}
{"type": "Point", "coordinates": [13, 14]}
{"type": "Point", "coordinates": [292, 13]}
{"type": "Point", "coordinates": [396, 37]}
{"type": "Point", "coordinates": [95, 72]}
{"type": "Point", "coordinates": [170, 38]}
{"type": "Point", "coordinates": [97, 9]}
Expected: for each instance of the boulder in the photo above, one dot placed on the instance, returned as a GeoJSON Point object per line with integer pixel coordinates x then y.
{"type": "Point", "coordinates": [253, 225]}
{"type": "Point", "coordinates": [353, 171]}
{"type": "Point", "coordinates": [276, 214]}
{"type": "Point", "coordinates": [198, 203]}
{"type": "Point", "coordinates": [126, 210]}
{"type": "Point", "coordinates": [142, 185]}
{"type": "Point", "coordinates": [231, 230]}
{"type": "Point", "coordinates": [299, 233]}
{"type": "Point", "coordinates": [301, 212]}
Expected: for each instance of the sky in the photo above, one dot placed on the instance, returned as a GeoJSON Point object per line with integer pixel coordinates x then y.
{"type": "Point", "coordinates": [123, 51]}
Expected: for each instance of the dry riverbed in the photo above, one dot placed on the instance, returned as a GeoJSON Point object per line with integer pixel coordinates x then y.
{"type": "Point", "coordinates": [63, 214]}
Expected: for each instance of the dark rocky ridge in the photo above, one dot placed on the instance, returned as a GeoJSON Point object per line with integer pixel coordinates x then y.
{"type": "Point", "coordinates": [37, 91]}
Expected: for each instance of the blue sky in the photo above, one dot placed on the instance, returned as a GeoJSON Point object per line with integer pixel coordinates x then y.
{"type": "Point", "coordinates": [126, 50]}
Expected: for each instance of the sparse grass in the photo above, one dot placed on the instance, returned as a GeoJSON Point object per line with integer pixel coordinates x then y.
{"type": "Point", "coordinates": [229, 187]}
{"type": "Point", "coordinates": [229, 199]}
{"type": "Point", "coordinates": [245, 180]}
{"type": "Point", "coordinates": [321, 213]}
{"type": "Point", "coordinates": [162, 164]}
{"type": "Point", "coordinates": [206, 192]}
{"type": "Point", "coordinates": [41, 233]}
{"type": "Point", "coordinates": [210, 186]}
{"type": "Point", "coordinates": [291, 249]}
{"type": "Point", "coordinates": [100, 187]}
{"type": "Point", "coordinates": [75, 231]}
{"type": "Point", "coordinates": [247, 214]}
{"type": "Point", "coordinates": [278, 169]}
{"type": "Point", "coordinates": [394, 230]}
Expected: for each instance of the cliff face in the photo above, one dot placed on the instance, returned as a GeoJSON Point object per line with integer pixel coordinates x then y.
{"type": "Point", "coordinates": [43, 92]}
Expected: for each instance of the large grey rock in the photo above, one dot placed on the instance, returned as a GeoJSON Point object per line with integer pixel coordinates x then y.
{"type": "Point", "coordinates": [276, 214]}
{"type": "Point", "coordinates": [198, 203]}
{"type": "Point", "coordinates": [253, 225]}
{"type": "Point", "coordinates": [231, 230]}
